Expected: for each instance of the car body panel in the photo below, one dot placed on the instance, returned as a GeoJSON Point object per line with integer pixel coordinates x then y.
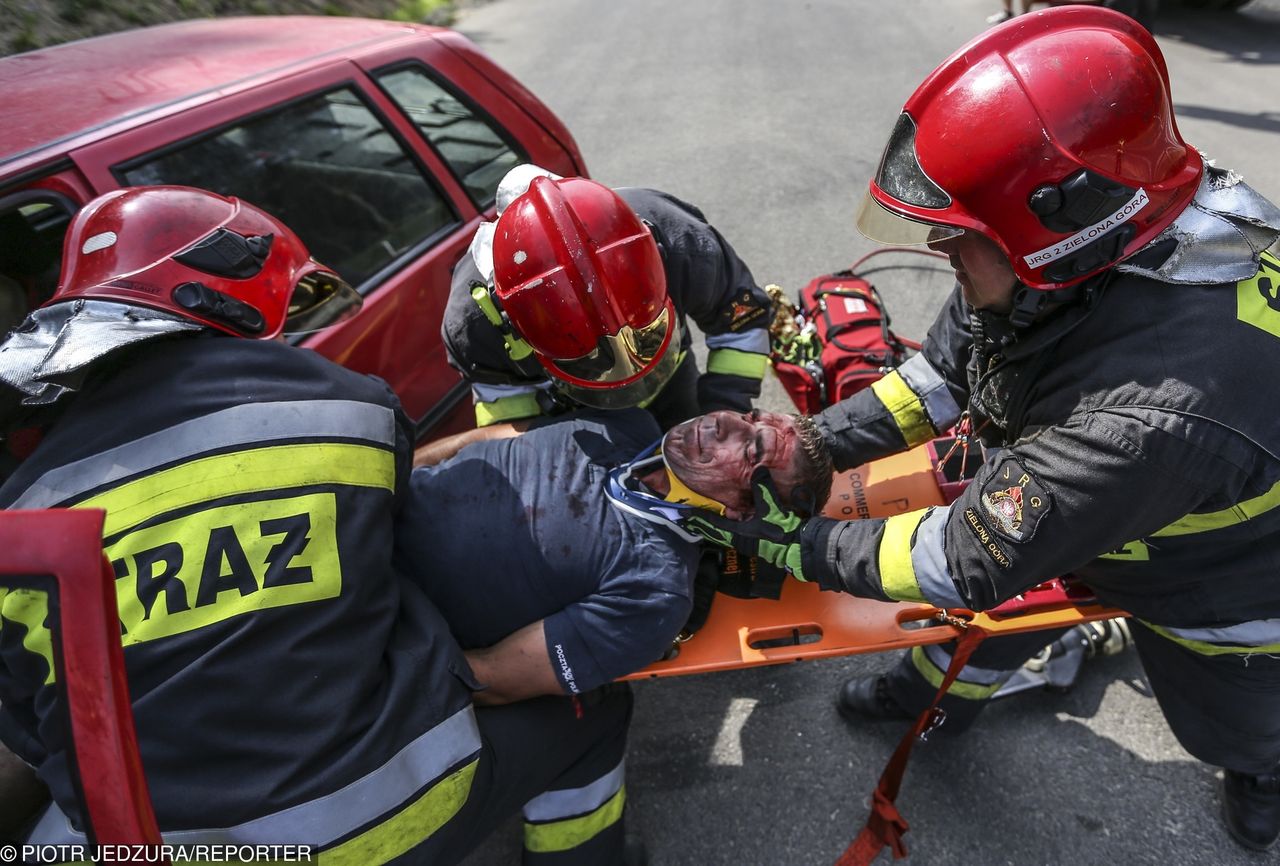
{"type": "Point", "coordinates": [136, 96]}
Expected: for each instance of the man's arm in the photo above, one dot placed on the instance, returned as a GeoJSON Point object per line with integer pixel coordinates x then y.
{"type": "Point", "coordinates": [910, 405]}
{"type": "Point", "coordinates": [709, 283]}
{"type": "Point", "coordinates": [440, 450]}
{"type": "Point", "coordinates": [1043, 507]}
{"type": "Point", "coordinates": [515, 668]}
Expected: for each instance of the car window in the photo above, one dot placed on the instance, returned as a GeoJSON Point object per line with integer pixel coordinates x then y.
{"type": "Point", "coordinates": [32, 226]}
{"type": "Point", "coordinates": [472, 146]}
{"type": "Point", "coordinates": [328, 167]}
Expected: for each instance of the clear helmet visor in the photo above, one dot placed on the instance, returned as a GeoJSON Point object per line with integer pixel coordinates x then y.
{"type": "Point", "coordinates": [878, 223]}
{"type": "Point", "coordinates": [320, 299]}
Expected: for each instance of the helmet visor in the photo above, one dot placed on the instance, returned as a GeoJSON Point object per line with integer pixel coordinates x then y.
{"type": "Point", "coordinates": [878, 223]}
{"type": "Point", "coordinates": [321, 298]}
{"type": "Point", "coordinates": [624, 355]}
{"type": "Point", "coordinates": [640, 393]}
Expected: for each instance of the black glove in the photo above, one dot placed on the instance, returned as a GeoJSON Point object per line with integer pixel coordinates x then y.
{"type": "Point", "coordinates": [772, 534]}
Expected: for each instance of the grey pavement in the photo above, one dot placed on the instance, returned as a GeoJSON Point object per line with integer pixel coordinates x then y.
{"type": "Point", "coordinates": [770, 115]}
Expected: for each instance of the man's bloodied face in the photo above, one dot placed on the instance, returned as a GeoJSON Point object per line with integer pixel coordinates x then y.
{"type": "Point", "coordinates": [715, 455]}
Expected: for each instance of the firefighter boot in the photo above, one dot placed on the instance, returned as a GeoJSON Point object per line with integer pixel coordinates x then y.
{"type": "Point", "coordinates": [1251, 808]}
{"type": "Point", "coordinates": [863, 698]}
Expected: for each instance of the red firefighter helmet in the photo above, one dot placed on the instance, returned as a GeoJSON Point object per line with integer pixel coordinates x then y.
{"type": "Point", "coordinates": [1052, 134]}
{"type": "Point", "coordinates": [219, 261]}
{"type": "Point", "coordinates": [581, 280]}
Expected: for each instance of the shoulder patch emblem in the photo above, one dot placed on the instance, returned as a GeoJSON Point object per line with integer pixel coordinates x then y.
{"type": "Point", "coordinates": [1014, 501]}
{"type": "Point", "coordinates": [742, 311]}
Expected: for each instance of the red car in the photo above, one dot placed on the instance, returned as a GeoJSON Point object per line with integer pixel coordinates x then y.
{"type": "Point", "coordinates": [381, 144]}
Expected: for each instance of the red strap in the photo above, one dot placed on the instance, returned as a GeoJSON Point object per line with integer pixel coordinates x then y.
{"type": "Point", "coordinates": [885, 826]}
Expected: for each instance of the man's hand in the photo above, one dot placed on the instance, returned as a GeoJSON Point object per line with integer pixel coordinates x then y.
{"type": "Point", "coordinates": [772, 533]}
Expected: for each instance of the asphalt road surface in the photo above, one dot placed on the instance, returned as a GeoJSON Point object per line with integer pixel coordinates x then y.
{"type": "Point", "coordinates": [770, 116]}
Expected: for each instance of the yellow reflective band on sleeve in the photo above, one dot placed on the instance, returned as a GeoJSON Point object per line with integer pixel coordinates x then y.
{"type": "Point", "coordinates": [1212, 649]}
{"type": "Point", "coordinates": [556, 836]}
{"type": "Point", "coordinates": [30, 609]}
{"type": "Point", "coordinates": [1255, 298]}
{"type": "Point", "coordinates": [507, 409]}
{"type": "Point", "coordinates": [518, 349]}
{"type": "Point", "coordinates": [930, 671]}
{"type": "Point", "coordinates": [410, 827]}
{"type": "Point", "coordinates": [735, 362]}
{"type": "Point", "coordinates": [905, 407]}
{"type": "Point", "coordinates": [277, 467]}
{"type": "Point", "coordinates": [1134, 551]}
{"type": "Point", "coordinates": [1232, 516]}
{"type": "Point", "coordinates": [223, 562]}
{"type": "Point", "coordinates": [897, 574]}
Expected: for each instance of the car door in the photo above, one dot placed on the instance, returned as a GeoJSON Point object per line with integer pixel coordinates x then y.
{"type": "Point", "coordinates": [327, 153]}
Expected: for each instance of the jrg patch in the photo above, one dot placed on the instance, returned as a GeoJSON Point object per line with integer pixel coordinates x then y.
{"type": "Point", "coordinates": [980, 532]}
{"type": "Point", "coordinates": [1014, 502]}
{"type": "Point", "coordinates": [742, 311]}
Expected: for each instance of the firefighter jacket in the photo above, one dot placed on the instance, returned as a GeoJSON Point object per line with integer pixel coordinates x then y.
{"type": "Point", "coordinates": [1140, 453]}
{"type": "Point", "coordinates": [287, 684]}
{"type": "Point", "coordinates": [707, 283]}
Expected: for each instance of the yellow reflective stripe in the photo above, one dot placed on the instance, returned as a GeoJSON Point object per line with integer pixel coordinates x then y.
{"type": "Point", "coordinates": [517, 348]}
{"type": "Point", "coordinates": [897, 574]}
{"type": "Point", "coordinates": [30, 608]}
{"type": "Point", "coordinates": [223, 562]}
{"type": "Point", "coordinates": [906, 408]}
{"type": "Point", "coordinates": [1236, 514]}
{"type": "Point", "coordinates": [735, 362]}
{"type": "Point", "coordinates": [275, 467]}
{"type": "Point", "coordinates": [1252, 305]}
{"type": "Point", "coordinates": [410, 827]}
{"type": "Point", "coordinates": [507, 409]}
{"type": "Point", "coordinates": [930, 671]}
{"type": "Point", "coordinates": [1134, 551]}
{"type": "Point", "coordinates": [1212, 649]}
{"type": "Point", "coordinates": [562, 835]}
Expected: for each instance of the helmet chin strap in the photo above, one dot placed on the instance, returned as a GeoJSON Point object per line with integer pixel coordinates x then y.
{"type": "Point", "coordinates": [1029, 303]}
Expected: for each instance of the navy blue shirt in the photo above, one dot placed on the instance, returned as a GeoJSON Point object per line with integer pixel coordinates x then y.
{"type": "Point", "coordinates": [512, 531]}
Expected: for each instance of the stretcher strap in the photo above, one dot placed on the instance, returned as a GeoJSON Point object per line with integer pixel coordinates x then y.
{"type": "Point", "coordinates": [885, 826]}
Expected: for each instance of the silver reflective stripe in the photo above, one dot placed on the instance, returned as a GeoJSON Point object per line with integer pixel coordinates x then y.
{"type": "Point", "coordinates": [246, 424]}
{"type": "Point", "coordinates": [931, 388]}
{"type": "Point", "coordinates": [555, 805]}
{"type": "Point", "coordinates": [941, 659]}
{"type": "Point", "coordinates": [929, 560]}
{"type": "Point", "coordinates": [1255, 633]}
{"type": "Point", "coordinates": [493, 393]}
{"type": "Point", "coordinates": [322, 821]}
{"type": "Point", "coordinates": [755, 340]}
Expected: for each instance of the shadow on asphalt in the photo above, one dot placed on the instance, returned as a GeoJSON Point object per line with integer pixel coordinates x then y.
{"type": "Point", "coordinates": [1247, 37]}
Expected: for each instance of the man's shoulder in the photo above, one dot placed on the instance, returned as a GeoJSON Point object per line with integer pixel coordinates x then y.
{"type": "Point", "coordinates": [660, 207]}
{"type": "Point", "coordinates": [605, 437]}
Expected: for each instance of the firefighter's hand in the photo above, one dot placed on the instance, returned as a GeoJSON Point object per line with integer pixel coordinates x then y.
{"type": "Point", "coordinates": [772, 533]}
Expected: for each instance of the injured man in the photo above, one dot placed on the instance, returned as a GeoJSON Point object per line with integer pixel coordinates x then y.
{"type": "Point", "coordinates": [556, 556]}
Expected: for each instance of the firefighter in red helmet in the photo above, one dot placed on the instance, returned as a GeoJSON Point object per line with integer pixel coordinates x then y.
{"type": "Point", "coordinates": [1114, 297]}
{"type": "Point", "coordinates": [579, 295]}
{"type": "Point", "coordinates": [288, 683]}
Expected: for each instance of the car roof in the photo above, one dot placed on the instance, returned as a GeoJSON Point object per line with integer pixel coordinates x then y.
{"type": "Point", "coordinates": [59, 97]}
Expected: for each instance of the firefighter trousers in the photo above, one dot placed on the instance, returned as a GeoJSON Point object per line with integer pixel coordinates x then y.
{"type": "Point", "coordinates": [560, 760]}
{"type": "Point", "coordinates": [1224, 709]}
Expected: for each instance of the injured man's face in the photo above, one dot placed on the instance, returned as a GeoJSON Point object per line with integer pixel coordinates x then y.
{"type": "Point", "coordinates": [717, 453]}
